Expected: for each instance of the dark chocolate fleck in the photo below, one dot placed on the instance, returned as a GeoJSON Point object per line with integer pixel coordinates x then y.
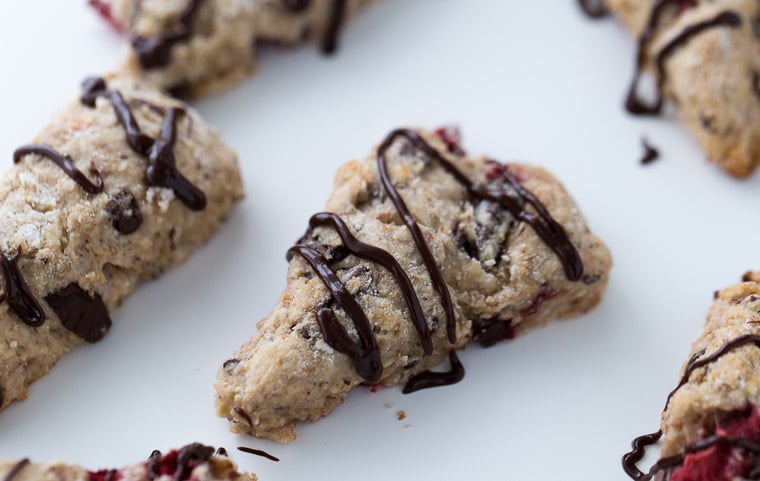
{"type": "Point", "coordinates": [124, 212]}
{"type": "Point", "coordinates": [650, 153]}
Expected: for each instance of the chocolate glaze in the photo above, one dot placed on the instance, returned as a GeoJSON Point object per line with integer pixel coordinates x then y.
{"type": "Point", "coordinates": [17, 293]}
{"type": "Point", "coordinates": [155, 52]}
{"type": "Point", "coordinates": [84, 315]}
{"type": "Point", "coordinates": [161, 170]}
{"type": "Point", "coordinates": [634, 103]}
{"type": "Point", "coordinates": [16, 469]}
{"type": "Point", "coordinates": [430, 379]}
{"type": "Point", "coordinates": [650, 153]}
{"type": "Point", "coordinates": [258, 452]}
{"type": "Point", "coordinates": [64, 162]}
{"type": "Point", "coordinates": [189, 457]}
{"type": "Point", "coordinates": [640, 443]}
{"type": "Point", "coordinates": [594, 8]}
{"type": "Point", "coordinates": [124, 212]}
{"type": "Point", "coordinates": [365, 353]}
{"type": "Point", "coordinates": [337, 16]}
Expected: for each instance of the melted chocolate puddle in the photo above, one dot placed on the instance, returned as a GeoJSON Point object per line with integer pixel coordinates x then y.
{"type": "Point", "coordinates": [639, 444]}
{"type": "Point", "coordinates": [364, 352]}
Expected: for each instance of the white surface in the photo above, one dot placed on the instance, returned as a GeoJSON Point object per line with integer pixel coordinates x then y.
{"type": "Point", "coordinates": [524, 82]}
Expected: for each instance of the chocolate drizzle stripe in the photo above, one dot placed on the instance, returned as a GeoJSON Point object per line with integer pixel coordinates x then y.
{"type": "Point", "coordinates": [385, 259]}
{"type": "Point", "coordinates": [16, 469]}
{"type": "Point", "coordinates": [189, 457]}
{"type": "Point", "coordinates": [154, 52]}
{"type": "Point", "coordinates": [64, 162]}
{"type": "Point", "coordinates": [436, 277]}
{"type": "Point", "coordinates": [337, 16]}
{"type": "Point", "coordinates": [634, 103]}
{"type": "Point", "coordinates": [429, 379]}
{"type": "Point", "coordinates": [259, 452]}
{"type": "Point", "coordinates": [594, 8]}
{"type": "Point", "coordinates": [17, 293]}
{"type": "Point", "coordinates": [640, 443]}
{"type": "Point", "coordinates": [162, 170]}
{"type": "Point", "coordinates": [153, 466]}
{"type": "Point", "coordinates": [365, 354]}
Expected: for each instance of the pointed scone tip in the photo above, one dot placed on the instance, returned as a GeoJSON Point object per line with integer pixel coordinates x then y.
{"type": "Point", "coordinates": [199, 47]}
{"type": "Point", "coordinates": [125, 183]}
{"type": "Point", "coordinates": [711, 424]}
{"type": "Point", "coordinates": [421, 250]}
{"type": "Point", "coordinates": [194, 462]}
{"type": "Point", "coordinates": [703, 58]}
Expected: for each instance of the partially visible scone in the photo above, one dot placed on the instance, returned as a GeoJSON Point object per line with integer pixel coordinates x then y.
{"type": "Point", "coordinates": [198, 47]}
{"type": "Point", "coordinates": [422, 250]}
{"type": "Point", "coordinates": [705, 56]}
{"type": "Point", "coordinates": [194, 462]}
{"type": "Point", "coordinates": [122, 185]}
{"type": "Point", "coordinates": [711, 422]}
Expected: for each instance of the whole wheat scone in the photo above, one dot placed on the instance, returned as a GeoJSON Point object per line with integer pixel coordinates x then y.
{"type": "Point", "coordinates": [123, 184]}
{"type": "Point", "coordinates": [502, 278]}
{"type": "Point", "coordinates": [706, 56]}
{"type": "Point", "coordinates": [192, 462]}
{"type": "Point", "coordinates": [711, 424]}
{"type": "Point", "coordinates": [198, 47]}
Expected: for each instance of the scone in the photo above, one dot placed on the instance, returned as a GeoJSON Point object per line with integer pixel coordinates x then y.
{"type": "Point", "coordinates": [704, 56]}
{"type": "Point", "coordinates": [711, 424]}
{"type": "Point", "coordinates": [122, 185]}
{"type": "Point", "coordinates": [421, 251]}
{"type": "Point", "coordinates": [194, 462]}
{"type": "Point", "coordinates": [197, 47]}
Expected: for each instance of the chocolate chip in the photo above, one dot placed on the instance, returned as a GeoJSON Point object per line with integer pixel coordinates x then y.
{"type": "Point", "coordinates": [124, 212]}
{"type": "Point", "coordinates": [296, 5]}
{"type": "Point", "coordinates": [84, 315]}
{"type": "Point", "coordinates": [488, 332]}
{"type": "Point", "coordinates": [230, 363]}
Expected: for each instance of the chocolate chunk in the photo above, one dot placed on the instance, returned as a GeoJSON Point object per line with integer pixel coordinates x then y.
{"type": "Point", "coordinates": [296, 5]}
{"type": "Point", "coordinates": [124, 212]}
{"type": "Point", "coordinates": [84, 315]}
{"type": "Point", "coordinates": [488, 332]}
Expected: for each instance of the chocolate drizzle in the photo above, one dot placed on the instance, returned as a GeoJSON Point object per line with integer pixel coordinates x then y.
{"type": "Point", "coordinates": [161, 170]}
{"type": "Point", "coordinates": [155, 52]}
{"type": "Point", "coordinates": [83, 314]}
{"type": "Point", "coordinates": [639, 444]}
{"type": "Point", "coordinates": [65, 163]}
{"type": "Point", "coordinates": [16, 469]}
{"type": "Point", "coordinates": [634, 103]}
{"type": "Point", "coordinates": [17, 293]}
{"type": "Point", "coordinates": [259, 452]}
{"type": "Point", "coordinates": [337, 16]}
{"type": "Point", "coordinates": [365, 353]}
{"type": "Point", "coordinates": [189, 457]}
{"type": "Point", "coordinates": [594, 8]}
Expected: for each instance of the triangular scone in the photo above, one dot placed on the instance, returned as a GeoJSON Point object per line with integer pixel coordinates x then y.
{"type": "Point", "coordinates": [122, 185]}
{"type": "Point", "coordinates": [706, 55]}
{"type": "Point", "coordinates": [503, 275]}
{"type": "Point", "coordinates": [198, 47]}
{"type": "Point", "coordinates": [194, 462]}
{"type": "Point", "coordinates": [711, 422]}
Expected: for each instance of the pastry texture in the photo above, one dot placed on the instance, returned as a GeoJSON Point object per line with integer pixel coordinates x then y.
{"type": "Point", "coordinates": [424, 249]}
{"type": "Point", "coordinates": [711, 424]}
{"type": "Point", "coordinates": [705, 58]}
{"type": "Point", "coordinates": [192, 462]}
{"type": "Point", "coordinates": [197, 47]}
{"type": "Point", "coordinates": [122, 185]}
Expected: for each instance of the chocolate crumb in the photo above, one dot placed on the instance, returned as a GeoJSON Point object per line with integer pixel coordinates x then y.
{"type": "Point", "coordinates": [650, 153]}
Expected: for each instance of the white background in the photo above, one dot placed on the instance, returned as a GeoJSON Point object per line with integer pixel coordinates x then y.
{"type": "Point", "coordinates": [530, 81]}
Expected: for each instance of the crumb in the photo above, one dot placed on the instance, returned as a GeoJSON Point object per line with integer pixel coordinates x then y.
{"type": "Point", "coordinates": [389, 405]}
{"type": "Point", "coordinates": [401, 415]}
